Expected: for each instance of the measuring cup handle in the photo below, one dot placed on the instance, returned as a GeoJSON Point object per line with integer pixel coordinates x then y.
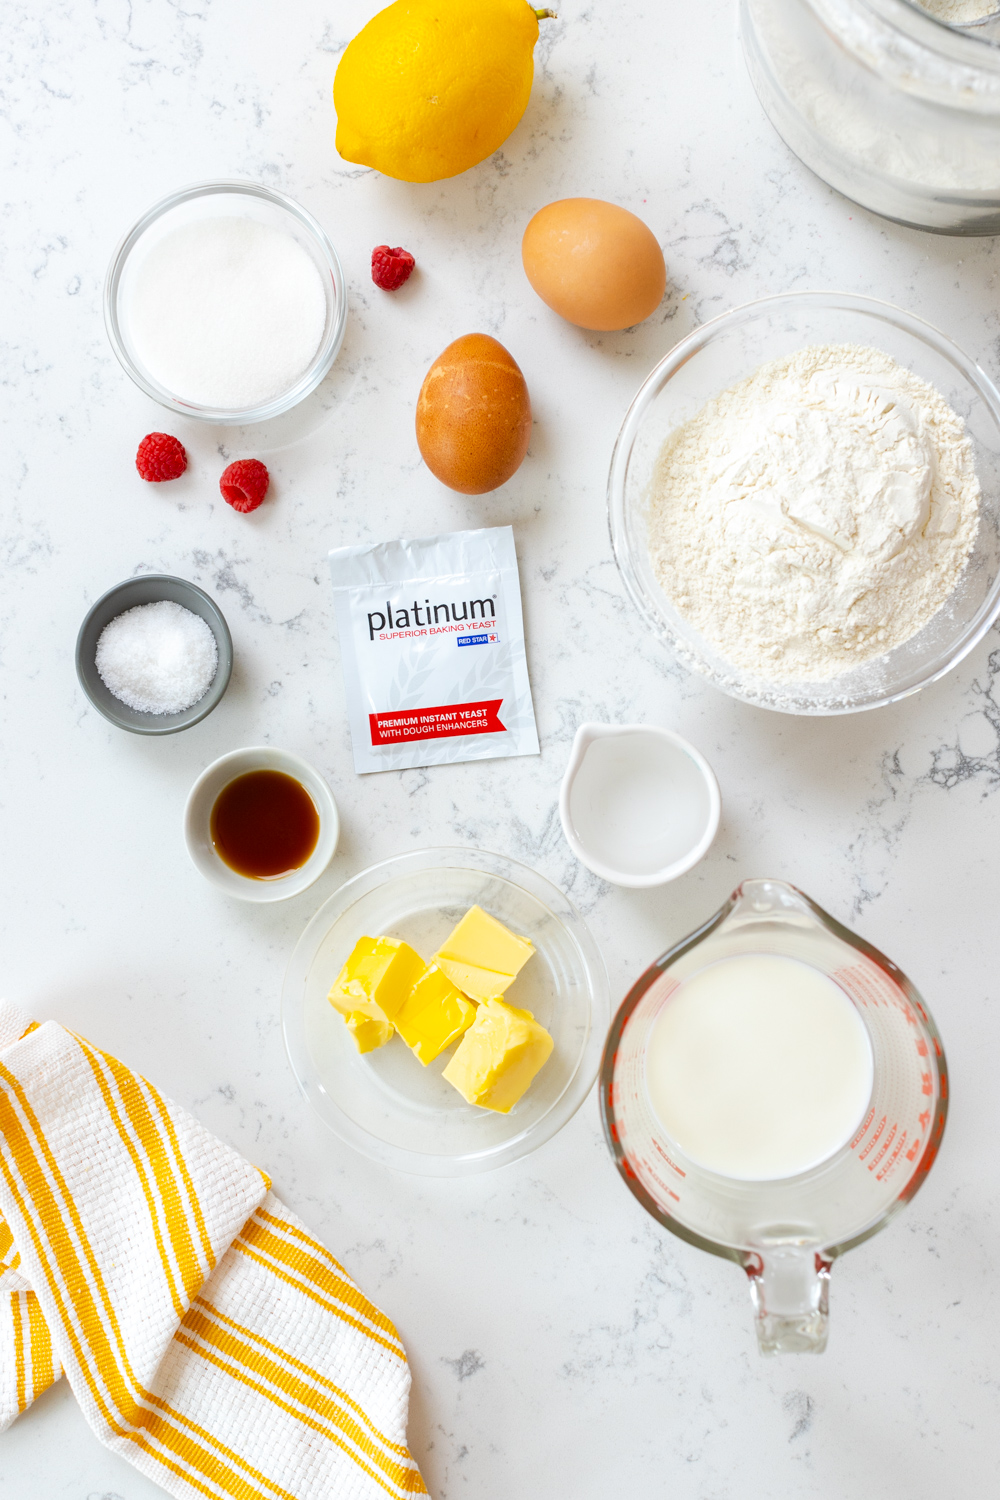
{"type": "Point", "coordinates": [790, 1291]}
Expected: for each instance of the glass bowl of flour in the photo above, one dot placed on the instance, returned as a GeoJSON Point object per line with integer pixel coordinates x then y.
{"type": "Point", "coordinates": [805, 503]}
{"type": "Point", "coordinates": [226, 302]}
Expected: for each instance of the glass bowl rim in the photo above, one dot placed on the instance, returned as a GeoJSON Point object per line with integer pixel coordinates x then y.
{"type": "Point", "coordinates": [692, 344]}
{"type": "Point", "coordinates": [955, 41]}
{"type": "Point", "coordinates": [583, 1078]}
{"type": "Point", "coordinates": [325, 354]}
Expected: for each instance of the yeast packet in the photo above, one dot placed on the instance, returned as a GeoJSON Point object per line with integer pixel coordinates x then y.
{"type": "Point", "coordinates": [432, 644]}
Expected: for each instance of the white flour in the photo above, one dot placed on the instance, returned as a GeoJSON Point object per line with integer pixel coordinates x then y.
{"type": "Point", "coordinates": [817, 514]}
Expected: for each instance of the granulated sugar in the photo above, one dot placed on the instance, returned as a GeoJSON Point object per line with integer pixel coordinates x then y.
{"type": "Point", "coordinates": [227, 313]}
{"type": "Point", "coordinates": [157, 658]}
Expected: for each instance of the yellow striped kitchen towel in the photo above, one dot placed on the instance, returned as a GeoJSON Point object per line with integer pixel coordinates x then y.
{"type": "Point", "coordinates": [208, 1337]}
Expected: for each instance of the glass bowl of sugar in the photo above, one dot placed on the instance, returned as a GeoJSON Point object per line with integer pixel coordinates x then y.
{"type": "Point", "coordinates": [804, 501]}
{"type": "Point", "coordinates": [226, 302]}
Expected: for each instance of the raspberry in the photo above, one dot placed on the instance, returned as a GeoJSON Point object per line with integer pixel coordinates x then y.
{"type": "Point", "coordinates": [160, 457]}
{"type": "Point", "coordinates": [244, 484]}
{"type": "Point", "coordinates": [390, 268]}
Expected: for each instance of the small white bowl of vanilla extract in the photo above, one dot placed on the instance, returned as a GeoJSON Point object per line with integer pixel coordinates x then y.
{"type": "Point", "coordinates": [261, 824]}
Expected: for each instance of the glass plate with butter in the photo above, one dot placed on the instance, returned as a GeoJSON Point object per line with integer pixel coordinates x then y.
{"type": "Point", "coordinates": [436, 912]}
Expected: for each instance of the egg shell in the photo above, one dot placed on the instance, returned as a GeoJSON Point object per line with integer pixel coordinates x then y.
{"type": "Point", "coordinates": [593, 263]}
{"type": "Point", "coordinates": [473, 415]}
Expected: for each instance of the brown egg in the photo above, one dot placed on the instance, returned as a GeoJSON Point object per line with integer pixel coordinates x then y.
{"type": "Point", "coordinates": [593, 263]}
{"type": "Point", "coordinates": [473, 415]}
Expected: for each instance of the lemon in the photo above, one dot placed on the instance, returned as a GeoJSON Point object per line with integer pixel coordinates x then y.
{"type": "Point", "coordinates": [431, 87]}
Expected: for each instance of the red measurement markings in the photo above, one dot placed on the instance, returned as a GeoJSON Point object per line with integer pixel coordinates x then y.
{"type": "Point", "coordinates": [660, 993]}
{"type": "Point", "coordinates": [890, 1165]}
{"type": "Point", "coordinates": [874, 1140]}
{"type": "Point", "coordinates": [869, 985]}
{"type": "Point", "coordinates": [635, 1128]}
{"type": "Point", "coordinates": [884, 1147]}
{"type": "Point", "coordinates": [924, 1120]}
{"type": "Point", "coordinates": [672, 1164]}
{"type": "Point", "coordinates": [647, 1176]}
{"type": "Point", "coordinates": [861, 1133]}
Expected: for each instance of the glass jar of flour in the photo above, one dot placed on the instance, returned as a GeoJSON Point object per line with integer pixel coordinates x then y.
{"type": "Point", "coordinates": [895, 105]}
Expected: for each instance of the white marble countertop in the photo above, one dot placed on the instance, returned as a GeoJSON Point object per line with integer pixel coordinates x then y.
{"type": "Point", "coordinates": [561, 1344]}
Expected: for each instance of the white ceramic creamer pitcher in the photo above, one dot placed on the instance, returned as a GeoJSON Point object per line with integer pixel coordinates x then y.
{"type": "Point", "coordinates": [787, 1232]}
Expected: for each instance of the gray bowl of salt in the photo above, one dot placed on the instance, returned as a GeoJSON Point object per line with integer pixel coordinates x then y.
{"type": "Point", "coordinates": [151, 588]}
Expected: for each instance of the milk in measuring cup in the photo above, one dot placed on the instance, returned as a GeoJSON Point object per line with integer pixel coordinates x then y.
{"type": "Point", "coordinates": [759, 1067]}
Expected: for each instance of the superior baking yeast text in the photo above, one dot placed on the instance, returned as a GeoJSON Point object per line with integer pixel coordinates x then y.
{"type": "Point", "coordinates": [432, 644]}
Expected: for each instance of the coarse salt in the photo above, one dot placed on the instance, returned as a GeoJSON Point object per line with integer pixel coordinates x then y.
{"type": "Point", "coordinates": [157, 658]}
{"type": "Point", "coordinates": [227, 313]}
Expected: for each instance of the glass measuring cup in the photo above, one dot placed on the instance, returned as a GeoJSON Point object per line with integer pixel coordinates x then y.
{"type": "Point", "coordinates": [785, 1233]}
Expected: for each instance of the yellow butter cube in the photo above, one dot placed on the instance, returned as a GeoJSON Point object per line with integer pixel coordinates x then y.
{"type": "Point", "coordinates": [433, 1015]}
{"type": "Point", "coordinates": [482, 957]}
{"type": "Point", "coordinates": [371, 987]}
{"type": "Point", "coordinates": [498, 1056]}
{"type": "Point", "coordinates": [368, 1031]}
